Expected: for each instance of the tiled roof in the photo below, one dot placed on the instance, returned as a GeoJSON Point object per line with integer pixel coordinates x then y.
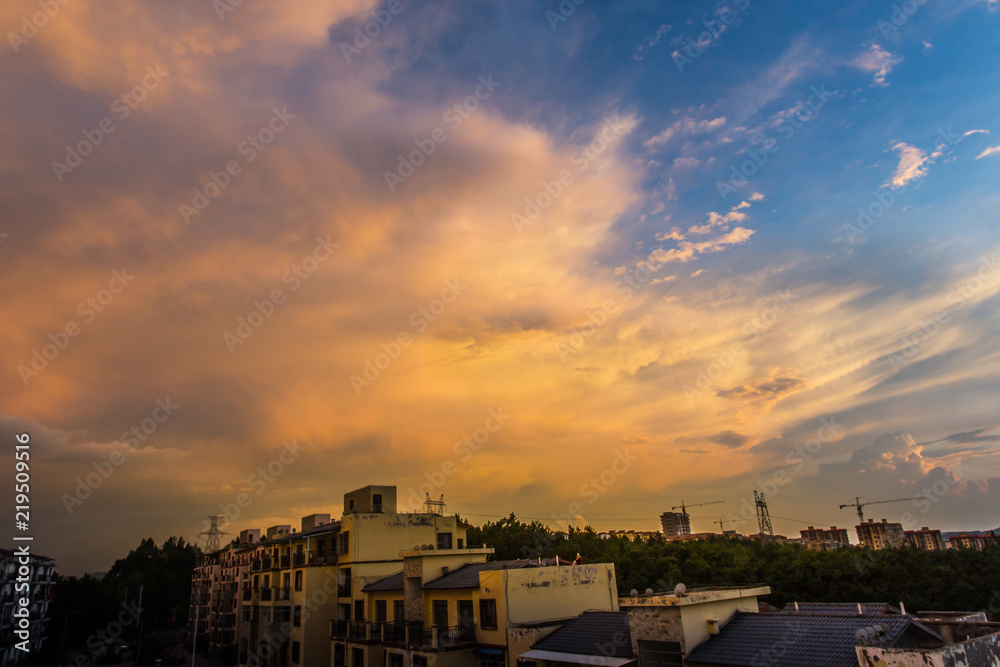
{"type": "Point", "coordinates": [394, 582]}
{"type": "Point", "coordinates": [467, 576]}
{"type": "Point", "coordinates": [838, 608]}
{"type": "Point", "coordinates": [602, 633]}
{"type": "Point", "coordinates": [803, 640]}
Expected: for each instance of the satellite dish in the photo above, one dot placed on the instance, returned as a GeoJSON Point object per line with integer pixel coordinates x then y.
{"type": "Point", "coordinates": [649, 591]}
{"type": "Point", "coordinates": [633, 593]}
{"type": "Point", "coordinates": [680, 590]}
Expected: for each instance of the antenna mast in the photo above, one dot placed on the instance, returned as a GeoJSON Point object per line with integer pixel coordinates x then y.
{"type": "Point", "coordinates": [763, 516]}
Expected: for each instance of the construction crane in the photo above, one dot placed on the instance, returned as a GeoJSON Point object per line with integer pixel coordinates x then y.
{"type": "Point", "coordinates": [684, 507]}
{"type": "Point", "coordinates": [857, 503]}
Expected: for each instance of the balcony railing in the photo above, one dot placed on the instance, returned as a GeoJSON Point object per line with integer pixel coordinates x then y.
{"type": "Point", "coordinates": [282, 593]}
{"type": "Point", "coordinates": [286, 561]}
{"type": "Point", "coordinates": [338, 629]}
{"type": "Point", "coordinates": [358, 630]}
{"type": "Point", "coordinates": [456, 635]}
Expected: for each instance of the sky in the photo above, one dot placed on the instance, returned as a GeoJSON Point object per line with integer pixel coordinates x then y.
{"type": "Point", "coordinates": [581, 261]}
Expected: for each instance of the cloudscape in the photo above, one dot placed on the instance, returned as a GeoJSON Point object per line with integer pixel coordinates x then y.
{"type": "Point", "coordinates": [574, 260]}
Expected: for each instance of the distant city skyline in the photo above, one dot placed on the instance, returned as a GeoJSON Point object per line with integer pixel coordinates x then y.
{"type": "Point", "coordinates": [576, 261]}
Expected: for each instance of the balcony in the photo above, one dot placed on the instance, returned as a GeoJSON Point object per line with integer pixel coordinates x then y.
{"type": "Point", "coordinates": [299, 560]}
{"type": "Point", "coordinates": [246, 594]}
{"type": "Point", "coordinates": [358, 631]}
{"type": "Point", "coordinates": [338, 629]}
{"type": "Point", "coordinates": [282, 594]}
{"type": "Point", "coordinates": [457, 635]}
{"type": "Point", "coordinates": [286, 562]}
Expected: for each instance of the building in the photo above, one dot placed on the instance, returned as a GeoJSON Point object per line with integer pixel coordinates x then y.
{"type": "Point", "coordinates": [974, 541]}
{"type": "Point", "coordinates": [657, 630]}
{"type": "Point", "coordinates": [39, 575]}
{"type": "Point", "coordinates": [675, 523]}
{"type": "Point", "coordinates": [882, 535]}
{"type": "Point", "coordinates": [959, 639]}
{"type": "Point", "coordinates": [451, 607]}
{"type": "Point", "coordinates": [925, 539]}
{"type": "Point", "coordinates": [818, 539]}
{"type": "Point", "coordinates": [644, 535]}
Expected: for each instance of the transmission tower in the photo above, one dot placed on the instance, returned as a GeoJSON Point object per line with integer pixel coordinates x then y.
{"type": "Point", "coordinates": [213, 534]}
{"type": "Point", "coordinates": [763, 516]}
{"type": "Point", "coordinates": [435, 506]}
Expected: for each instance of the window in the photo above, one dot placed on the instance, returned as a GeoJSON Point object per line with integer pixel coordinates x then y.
{"type": "Point", "coordinates": [444, 541]}
{"type": "Point", "coordinates": [460, 543]}
{"type": "Point", "coordinates": [381, 611]}
{"type": "Point", "coordinates": [351, 505]}
{"type": "Point", "coordinates": [395, 660]}
{"type": "Point", "coordinates": [297, 616]}
{"type": "Point", "coordinates": [398, 611]}
{"type": "Point", "coordinates": [338, 656]}
{"type": "Point", "coordinates": [295, 653]}
{"type": "Point", "coordinates": [440, 608]}
{"type": "Point", "coordinates": [246, 613]}
{"type": "Point", "coordinates": [377, 502]}
{"type": "Point", "coordinates": [488, 614]}
{"type": "Point", "coordinates": [420, 661]}
{"type": "Point", "coordinates": [359, 610]}
{"type": "Point", "coordinates": [486, 660]}
{"type": "Point", "coordinates": [357, 657]}
{"type": "Point", "coordinates": [344, 583]}
{"type": "Point", "coordinates": [321, 548]}
{"type": "Point", "coordinates": [660, 654]}
{"type": "Point", "coordinates": [298, 580]}
{"type": "Point", "coordinates": [343, 542]}
{"type": "Point", "coordinates": [265, 614]}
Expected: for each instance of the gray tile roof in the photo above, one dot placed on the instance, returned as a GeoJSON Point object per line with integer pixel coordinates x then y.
{"type": "Point", "coordinates": [839, 608]}
{"type": "Point", "coordinates": [467, 576]}
{"type": "Point", "coordinates": [602, 633]}
{"type": "Point", "coordinates": [394, 582]}
{"type": "Point", "coordinates": [802, 640]}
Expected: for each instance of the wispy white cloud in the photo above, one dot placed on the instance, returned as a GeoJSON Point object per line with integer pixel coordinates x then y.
{"type": "Point", "coordinates": [878, 61]}
{"type": "Point", "coordinates": [688, 251]}
{"type": "Point", "coordinates": [913, 164]}
{"type": "Point", "coordinates": [992, 150]}
{"type": "Point", "coordinates": [686, 126]}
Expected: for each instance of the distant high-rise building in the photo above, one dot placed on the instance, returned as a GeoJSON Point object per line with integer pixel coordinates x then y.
{"type": "Point", "coordinates": [882, 535]}
{"type": "Point", "coordinates": [925, 538]}
{"type": "Point", "coordinates": [818, 539]}
{"type": "Point", "coordinates": [675, 523]}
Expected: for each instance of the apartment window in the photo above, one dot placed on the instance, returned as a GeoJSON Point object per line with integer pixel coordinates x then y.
{"type": "Point", "coordinates": [343, 542]}
{"type": "Point", "coordinates": [359, 610]}
{"type": "Point", "coordinates": [460, 543]}
{"type": "Point", "coordinates": [395, 660]}
{"type": "Point", "coordinates": [377, 502]}
{"type": "Point", "coordinates": [298, 580]}
{"type": "Point", "coordinates": [350, 505]}
{"type": "Point", "coordinates": [246, 614]}
{"type": "Point", "coordinates": [381, 611]}
{"type": "Point", "coordinates": [488, 614]}
{"type": "Point", "coordinates": [444, 540]}
{"type": "Point", "coordinates": [357, 657]}
{"type": "Point", "coordinates": [338, 656]}
{"type": "Point", "coordinates": [420, 661]}
{"type": "Point", "coordinates": [297, 616]}
{"type": "Point", "coordinates": [344, 583]}
{"type": "Point", "coordinates": [321, 548]}
{"type": "Point", "coordinates": [492, 660]}
{"type": "Point", "coordinates": [295, 653]}
{"type": "Point", "coordinates": [398, 611]}
{"type": "Point", "coordinates": [265, 615]}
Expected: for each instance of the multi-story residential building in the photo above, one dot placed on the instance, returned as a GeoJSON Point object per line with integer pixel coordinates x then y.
{"type": "Point", "coordinates": [39, 575]}
{"type": "Point", "coordinates": [818, 539]}
{"type": "Point", "coordinates": [883, 535]}
{"type": "Point", "coordinates": [969, 541]}
{"type": "Point", "coordinates": [451, 608]}
{"type": "Point", "coordinates": [925, 539]}
{"type": "Point", "coordinates": [675, 523]}
{"type": "Point", "coordinates": [269, 602]}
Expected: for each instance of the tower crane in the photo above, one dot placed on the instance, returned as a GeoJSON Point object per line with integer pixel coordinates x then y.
{"type": "Point", "coordinates": [858, 504]}
{"type": "Point", "coordinates": [684, 507]}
